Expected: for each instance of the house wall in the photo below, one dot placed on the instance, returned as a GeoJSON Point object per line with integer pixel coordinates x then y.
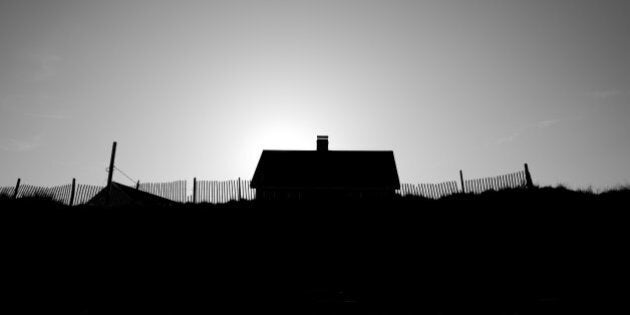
{"type": "Point", "coordinates": [323, 194]}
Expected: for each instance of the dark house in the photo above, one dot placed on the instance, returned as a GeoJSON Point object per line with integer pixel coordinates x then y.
{"type": "Point", "coordinates": [323, 174]}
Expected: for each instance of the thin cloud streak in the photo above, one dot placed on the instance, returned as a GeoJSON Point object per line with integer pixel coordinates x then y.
{"type": "Point", "coordinates": [508, 139]}
{"type": "Point", "coordinates": [49, 116]}
{"type": "Point", "coordinates": [547, 123]}
{"type": "Point", "coordinates": [20, 145]}
{"type": "Point", "coordinates": [541, 125]}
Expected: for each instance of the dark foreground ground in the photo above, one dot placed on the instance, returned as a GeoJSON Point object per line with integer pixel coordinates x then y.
{"type": "Point", "coordinates": [513, 252]}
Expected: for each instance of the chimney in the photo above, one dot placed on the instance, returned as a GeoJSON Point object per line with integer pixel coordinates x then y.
{"type": "Point", "coordinates": [322, 143]}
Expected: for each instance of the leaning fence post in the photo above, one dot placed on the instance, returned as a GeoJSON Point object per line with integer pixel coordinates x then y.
{"type": "Point", "coordinates": [461, 178]}
{"type": "Point", "coordinates": [74, 184]}
{"type": "Point", "coordinates": [195, 190]}
{"type": "Point", "coordinates": [528, 177]}
{"type": "Point", "coordinates": [111, 166]}
{"type": "Point", "coordinates": [17, 187]}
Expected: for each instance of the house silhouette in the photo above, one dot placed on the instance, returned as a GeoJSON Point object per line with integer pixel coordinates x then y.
{"type": "Point", "coordinates": [323, 174]}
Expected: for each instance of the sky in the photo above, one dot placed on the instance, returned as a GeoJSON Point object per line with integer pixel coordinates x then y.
{"type": "Point", "coordinates": [200, 88]}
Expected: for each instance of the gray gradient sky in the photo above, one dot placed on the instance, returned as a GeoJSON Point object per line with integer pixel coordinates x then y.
{"type": "Point", "coordinates": [200, 88]}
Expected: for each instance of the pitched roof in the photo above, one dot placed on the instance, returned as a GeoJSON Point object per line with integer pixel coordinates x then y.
{"type": "Point", "coordinates": [328, 169]}
{"type": "Point", "coordinates": [120, 195]}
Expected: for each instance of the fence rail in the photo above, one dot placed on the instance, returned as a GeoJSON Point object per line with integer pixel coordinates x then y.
{"type": "Point", "coordinates": [213, 191]}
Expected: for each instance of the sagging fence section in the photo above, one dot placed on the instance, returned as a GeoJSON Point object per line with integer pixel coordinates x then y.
{"type": "Point", "coordinates": [217, 192]}
{"type": "Point", "coordinates": [175, 191]}
{"type": "Point", "coordinates": [431, 191]}
{"type": "Point", "coordinates": [512, 180]}
{"type": "Point", "coordinates": [62, 193]}
{"type": "Point", "coordinates": [7, 191]}
{"type": "Point", "coordinates": [474, 186]}
{"type": "Point", "coordinates": [204, 191]}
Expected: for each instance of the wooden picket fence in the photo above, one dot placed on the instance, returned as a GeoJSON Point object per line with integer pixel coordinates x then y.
{"type": "Point", "coordinates": [223, 191]}
{"type": "Point", "coordinates": [521, 179]}
{"type": "Point", "coordinates": [85, 193]}
{"type": "Point", "coordinates": [60, 193]}
{"type": "Point", "coordinates": [512, 180]}
{"type": "Point", "coordinates": [210, 191]}
{"type": "Point", "coordinates": [7, 191]}
{"type": "Point", "coordinates": [175, 191]}
{"type": "Point", "coordinates": [216, 191]}
{"type": "Point", "coordinates": [476, 186]}
{"type": "Point", "coordinates": [204, 191]}
{"type": "Point", "coordinates": [431, 191]}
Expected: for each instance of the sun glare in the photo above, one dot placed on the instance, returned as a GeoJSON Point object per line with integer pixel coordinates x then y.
{"type": "Point", "coordinates": [284, 134]}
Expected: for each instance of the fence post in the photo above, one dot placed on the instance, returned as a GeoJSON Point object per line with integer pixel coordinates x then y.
{"type": "Point", "coordinates": [195, 190]}
{"type": "Point", "coordinates": [74, 185]}
{"type": "Point", "coordinates": [239, 189]}
{"type": "Point", "coordinates": [461, 179]}
{"type": "Point", "coordinates": [528, 177]}
{"type": "Point", "coordinates": [17, 187]}
{"type": "Point", "coordinates": [138, 185]}
{"type": "Point", "coordinates": [111, 165]}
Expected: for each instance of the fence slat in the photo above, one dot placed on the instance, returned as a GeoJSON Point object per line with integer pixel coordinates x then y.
{"type": "Point", "coordinates": [217, 191]}
{"type": "Point", "coordinates": [222, 191]}
{"type": "Point", "coordinates": [226, 192]}
{"type": "Point", "coordinates": [209, 191]}
{"type": "Point", "coordinates": [232, 192]}
{"type": "Point", "coordinates": [199, 191]}
{"type": "Point", "coordinates": [207, 187]}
